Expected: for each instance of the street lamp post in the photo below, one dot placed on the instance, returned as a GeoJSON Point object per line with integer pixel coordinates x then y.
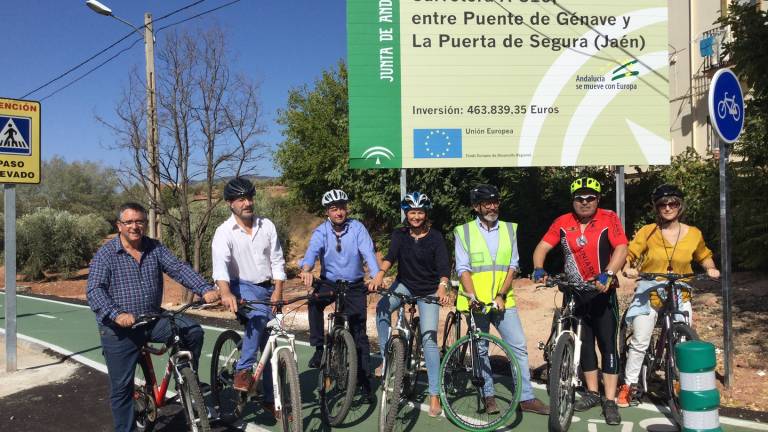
{"type": "Point", "coordinates": [149, 52]}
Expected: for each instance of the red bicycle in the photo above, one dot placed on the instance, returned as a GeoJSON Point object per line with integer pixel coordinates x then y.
{"type": "Point", "coordinates": [150, 396]}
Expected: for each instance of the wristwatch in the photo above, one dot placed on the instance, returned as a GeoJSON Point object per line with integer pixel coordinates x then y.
{"type": "Point", "coordinates": [610, 273]}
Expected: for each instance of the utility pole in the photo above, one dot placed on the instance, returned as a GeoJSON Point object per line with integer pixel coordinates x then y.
{"type": "Point", "coordinates": [154, 180]}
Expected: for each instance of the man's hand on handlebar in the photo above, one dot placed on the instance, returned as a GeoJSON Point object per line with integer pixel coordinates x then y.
{"type": "Point", "coordinates": [307, 277]}
{"type": "Point", "coordinates": [125, 319]}
{"type": "Point", "coordinates": [211, 296]}
{"type": "Point", "coordinates": [230, 302]}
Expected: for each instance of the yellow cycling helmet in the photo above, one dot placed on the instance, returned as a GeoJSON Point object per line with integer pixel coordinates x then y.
{"type": "Point", "coordinates": [585, 183]}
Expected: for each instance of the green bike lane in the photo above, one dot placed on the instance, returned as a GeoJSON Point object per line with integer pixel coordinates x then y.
{"type": "Point", "coordinates": [71, 330]}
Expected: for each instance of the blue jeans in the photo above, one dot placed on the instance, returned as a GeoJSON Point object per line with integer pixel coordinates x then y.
{"type": "Point", "coordinates": [256, 336]}
{"type": "Point", "coordinates": [428, 316]}
{"type": "Point", "coordinates": [511, 330]}
{"type": "Point", "coordinates": [121, 352]}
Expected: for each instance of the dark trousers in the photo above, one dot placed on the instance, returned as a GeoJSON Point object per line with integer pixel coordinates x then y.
{"type": "Point", "coordinates": [355, 307]}
{"type": "Point", "coordinates": [121, 351]}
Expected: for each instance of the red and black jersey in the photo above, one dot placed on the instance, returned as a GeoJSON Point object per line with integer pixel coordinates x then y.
{"type": "Point", "coordinates": [587, 253]}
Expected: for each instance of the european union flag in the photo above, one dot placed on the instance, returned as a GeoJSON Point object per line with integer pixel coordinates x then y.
{"type": "Point", "coordinates": [436, 143]}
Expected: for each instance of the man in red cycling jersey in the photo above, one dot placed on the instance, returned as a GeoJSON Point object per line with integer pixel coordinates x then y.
{"type": "Point", "coordinates": [594, 247]}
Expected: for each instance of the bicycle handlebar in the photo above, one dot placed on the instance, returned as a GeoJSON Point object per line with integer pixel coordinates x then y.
{"type": "Point", "coordinates": [672, 277]}
{"type": "Point", "coordinates": [144, 319]}
{"type": "Point", "coordinates": [249, 303]}
{"type": "Point", "coordinates": [561, 281]}
{"type": "Point", "coordinates": [410, 299]}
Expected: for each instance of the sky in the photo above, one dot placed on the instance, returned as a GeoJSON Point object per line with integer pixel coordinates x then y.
{"type": "Point", "coordinates": [282, 44]}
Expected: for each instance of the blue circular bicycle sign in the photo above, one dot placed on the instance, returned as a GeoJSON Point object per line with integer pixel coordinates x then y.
{"type": "Point", "coordinates": [726, 105]}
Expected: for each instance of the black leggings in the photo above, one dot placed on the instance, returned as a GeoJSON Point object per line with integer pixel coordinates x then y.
{"type": "Point", "coordinates": [600, 318]}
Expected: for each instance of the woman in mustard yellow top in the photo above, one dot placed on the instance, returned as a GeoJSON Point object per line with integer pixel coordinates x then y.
{"type": "Point", "coordinates": [662, 247]}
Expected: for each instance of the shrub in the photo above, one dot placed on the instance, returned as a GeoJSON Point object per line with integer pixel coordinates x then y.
{"type": "Point", "coordinates": [50, 240]}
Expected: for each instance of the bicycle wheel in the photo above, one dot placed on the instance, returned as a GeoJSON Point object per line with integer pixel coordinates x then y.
{"type": "Point", "coordinates": [226, 352]}
{"type": "Point", "coordinates": [414, 371]}
{"type": "Point", "coordinates": [290, 391]}
{"type": "Point", "coordinates": [192, 401]}
{"type": "Point", "coordinates": [391, 383]}
{"type": "Point", "coordinates": [549, 346]}
{"type": "Point", "coordinates": [561, 384]}
{"type": "Point", "coordinates": [680, 332]}
{"type": "Point", "coordinates": [462, 382]}
{"type": "Point", "coordinates": [338, 379]}
{"type": "Point", "coordinates": [144, 407]}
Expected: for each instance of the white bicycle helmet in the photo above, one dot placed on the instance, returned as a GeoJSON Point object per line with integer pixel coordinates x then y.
{"type": "Point", "coordinates": [334, 196]}
{"type": "Point", "coordinates": [415, 200]}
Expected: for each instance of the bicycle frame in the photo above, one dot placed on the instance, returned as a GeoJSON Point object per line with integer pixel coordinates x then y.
{"type": "Point", "coordinates": [565, 325]}
{"type": "Point", "coordinates": [176, 359]}
{"type": "Point", "coordinates": [666, 319]}
{"type": "Point", "coordinates": [338, 319]}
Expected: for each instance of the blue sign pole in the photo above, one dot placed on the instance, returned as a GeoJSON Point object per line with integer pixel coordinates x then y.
{"type": "Point", "coordinates": [726, 113]}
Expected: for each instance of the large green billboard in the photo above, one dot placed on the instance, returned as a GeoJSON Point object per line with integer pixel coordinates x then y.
{"type": "Point", "coordinates": [470, 83]}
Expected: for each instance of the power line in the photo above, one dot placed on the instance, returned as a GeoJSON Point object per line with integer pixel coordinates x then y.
{"type": "Point", "coordinates": [131, 46]}
{"type": "Point", "coordinates": [82, 63]}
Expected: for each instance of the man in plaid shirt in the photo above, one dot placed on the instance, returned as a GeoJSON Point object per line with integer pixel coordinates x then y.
{"type": "Point", "coordinates": [125, 281]}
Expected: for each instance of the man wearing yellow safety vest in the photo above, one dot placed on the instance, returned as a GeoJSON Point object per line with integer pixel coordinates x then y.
{"type": "Point", "coordinates": [486, 262]}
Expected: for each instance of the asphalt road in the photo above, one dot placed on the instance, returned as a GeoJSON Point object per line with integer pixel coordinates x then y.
{"type": "Point", "coordinates": [82, 403]}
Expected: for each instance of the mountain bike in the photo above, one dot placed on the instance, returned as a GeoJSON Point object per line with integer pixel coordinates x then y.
{"type": "Point", "coordinates": [149, 396]}
{"type": "Point", "coordinates": [338, 366]}
{"type": "Point", "coordinates": [562, 352]}
{"type": "Point", "coordinates": [280, 351]}
{"type": "Point", "coordinates": [403, 360]}
{"type": "Point", "coordinates": [671, 329]}
{"type": "Point", "coordinates": [474, 360]}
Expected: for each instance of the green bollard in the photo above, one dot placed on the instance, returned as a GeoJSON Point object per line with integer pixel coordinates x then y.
{"type": "Point", "coordinates": [699, 398]}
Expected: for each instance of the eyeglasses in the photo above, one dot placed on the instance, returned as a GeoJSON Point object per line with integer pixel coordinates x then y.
{"type": "Point", "coordinates": [489, 204]}
{"type": "Point", "coordinates": [139, 223]}
{"type": "Point", "coordinates": [583, 198]}
{"type": "Point", "coordinates": [672, 204]}
{"type": "Point", "coordinates": [338, 243]}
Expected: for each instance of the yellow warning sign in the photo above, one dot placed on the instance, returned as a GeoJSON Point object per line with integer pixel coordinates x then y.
{"type": "Point", "coordinates": [19, 141]}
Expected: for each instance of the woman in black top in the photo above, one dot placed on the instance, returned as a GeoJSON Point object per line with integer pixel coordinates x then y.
{"type": "Point", "coordinates": [422, 270]}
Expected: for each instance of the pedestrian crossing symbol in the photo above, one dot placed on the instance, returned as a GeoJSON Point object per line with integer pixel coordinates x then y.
{"type": "Point", "coordinates": [14, 135]}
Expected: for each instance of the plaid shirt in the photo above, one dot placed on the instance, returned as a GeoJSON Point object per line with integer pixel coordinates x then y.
{"type": "Point", "coordinates": [118, 284]}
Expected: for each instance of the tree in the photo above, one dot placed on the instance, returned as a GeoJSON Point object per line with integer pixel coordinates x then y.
{"type": "Point", "coordinates": [77, 187]}
{"type": "Point", "coordinates": [209, 119]}
{"type": "Point", "coordinates": [748, 51]}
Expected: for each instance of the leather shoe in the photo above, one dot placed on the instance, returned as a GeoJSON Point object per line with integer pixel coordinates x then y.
{"type": "Point", "coordinates": [317, 357]}
{"type": "Point", "coordinates": [490, 405]}
{"type": "Point", "coordinates": [243, 380]}
{"type": "Point", "coordinates": [535, 406]}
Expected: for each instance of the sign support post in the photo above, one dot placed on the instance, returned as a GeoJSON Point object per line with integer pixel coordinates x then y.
{"type": "Point", "coordinates": [726, 111]}
{"type": "Point", "coordinates": [725, 263]}
{"type": "Point", "coordinates": [9, 198]}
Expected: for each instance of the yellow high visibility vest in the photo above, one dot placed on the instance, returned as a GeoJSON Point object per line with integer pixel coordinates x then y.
{"type": "Point", "coordinates": [487, 274]}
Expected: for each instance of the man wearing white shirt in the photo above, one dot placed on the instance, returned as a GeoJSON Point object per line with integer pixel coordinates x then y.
{"type": "Point", "coordinates": [248, 263]}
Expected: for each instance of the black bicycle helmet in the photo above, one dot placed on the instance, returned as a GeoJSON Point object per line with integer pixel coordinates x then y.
{"type": "Point", "coordinates": [238, 187]}
{"type": "Point", "coordinates": [483, 192]}
{"type": "Point", "coordinates": [666, 190]}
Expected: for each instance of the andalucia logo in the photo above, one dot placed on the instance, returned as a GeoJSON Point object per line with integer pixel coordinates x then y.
{"type": "Point", "coordinates": [624, 71]}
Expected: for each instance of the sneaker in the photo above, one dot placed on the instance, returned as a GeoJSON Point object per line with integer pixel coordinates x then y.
{"type": "Point", "coordinates": [366, 394]}
{"type": "Point", "coordinates": [627, 396]}
{"type": "Point", "coordinates": [317, 357]}
{"type": "Point", "coordinates": [243, 380]}
{"type": "Point", "coordinates": [611, 412]}
{"type": "Point", "coordinates": [588, 400]}
{"type": "Point", "coordinates": [490, 405]}
{"type": "Point", "coordinates": [535, 406]}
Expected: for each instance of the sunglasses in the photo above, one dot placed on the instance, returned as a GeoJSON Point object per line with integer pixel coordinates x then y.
{"type": "Point", "coordinates": [671, 204]}
{"type": "Point", "coordinates": [585, 198]}
{"type": "Point", "coordinates": [338, 244]}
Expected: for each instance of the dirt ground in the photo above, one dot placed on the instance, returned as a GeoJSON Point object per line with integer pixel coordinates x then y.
{"type": "Point", "coordinates": [749, 389]}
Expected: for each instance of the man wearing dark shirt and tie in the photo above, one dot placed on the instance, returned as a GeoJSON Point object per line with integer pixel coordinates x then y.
{"type": "Point", "coordinates": [125, 281]}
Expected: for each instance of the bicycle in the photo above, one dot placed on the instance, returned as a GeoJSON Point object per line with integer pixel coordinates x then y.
{"type": "Point", "coordinates": [338, 365]}
{"type": "Point", "coordinates": [464, 370]}
{"type": "Point", "coordinates": [728, 106]}
{"type": "Point", "coordinates": [149, 396]}
{"type": "Point", "coordinates": [562, 352]}
{"type": "Point", "coordinates": [280, 351]}
{"type": "Point", "coordinates": [404, 358]}
{"type": "Point", "coordinates": [669, 331]}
